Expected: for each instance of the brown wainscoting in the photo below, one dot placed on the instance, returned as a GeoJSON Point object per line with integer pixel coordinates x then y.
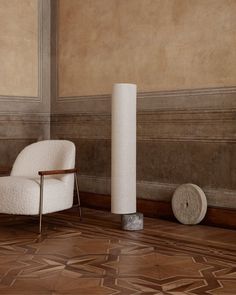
{"type": "Point", "coordinates": [159, 209]}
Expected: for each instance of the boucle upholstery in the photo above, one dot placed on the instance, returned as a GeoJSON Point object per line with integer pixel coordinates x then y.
{"type": "Point", "coordinates": [19, 192]}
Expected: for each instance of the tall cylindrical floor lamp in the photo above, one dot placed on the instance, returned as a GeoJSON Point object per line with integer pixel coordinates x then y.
{"type": "Point", "coordinates": [123, 174]}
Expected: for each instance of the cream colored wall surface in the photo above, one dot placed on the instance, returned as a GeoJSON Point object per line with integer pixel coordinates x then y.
{"type": "Point", "coordinates": [158, 44]}
{"type": "Point", "coordinates": [19, 48]}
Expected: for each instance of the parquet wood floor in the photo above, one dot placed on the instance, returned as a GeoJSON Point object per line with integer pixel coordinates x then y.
{"type": "Point", "coordinates": [96, 257]}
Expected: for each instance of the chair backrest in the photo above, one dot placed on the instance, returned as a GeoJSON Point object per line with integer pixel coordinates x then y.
{"type": "Point", "coordinates": [45, 155]}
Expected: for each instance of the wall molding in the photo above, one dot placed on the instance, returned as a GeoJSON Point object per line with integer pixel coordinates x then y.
{"type": "Point", "coordinates": [28, 140]}
{"type": "Point", "coordinates": [27, 117]}
{"type": "Point", "coordinates": [209, 126]}
{"type": "Point", "coordinates": [69, 99]}
{"type": "Point", "coordinates": [189, 139]}
{"type": "Point", "coordinates": [195, 100]}
{"type": "Point", "coordinates": [157, 94]}
{"type": "Point", "coordinates": [20, 99]}
{"type": "Point", "coordinates": [202, 115]}
{"type": "Point", "coordinates": [154, 94]}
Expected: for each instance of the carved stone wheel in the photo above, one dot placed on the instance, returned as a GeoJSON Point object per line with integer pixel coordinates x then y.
{"type": "Point", "coordinates": [189, 204]}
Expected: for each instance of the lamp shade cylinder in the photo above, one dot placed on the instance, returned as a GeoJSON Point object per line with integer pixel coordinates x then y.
{"type": "Point", "coordinates": [123, 172]}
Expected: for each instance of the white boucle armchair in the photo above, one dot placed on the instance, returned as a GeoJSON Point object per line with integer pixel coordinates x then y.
{"type": "Point", "coordinates": [41, 180]}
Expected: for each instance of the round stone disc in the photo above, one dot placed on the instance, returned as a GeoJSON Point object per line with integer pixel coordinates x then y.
{"type": "Point", "coordinates": [189, 204]}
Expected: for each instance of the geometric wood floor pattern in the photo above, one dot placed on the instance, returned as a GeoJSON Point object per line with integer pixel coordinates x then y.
{"type": "Point", "coordinates": [94, 256]}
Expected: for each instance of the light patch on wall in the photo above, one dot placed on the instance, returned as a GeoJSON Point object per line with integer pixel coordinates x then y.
{"type": "Point", "coordinates": [158, 44]}
{"type": "Point", "coordinates": [19, 48]}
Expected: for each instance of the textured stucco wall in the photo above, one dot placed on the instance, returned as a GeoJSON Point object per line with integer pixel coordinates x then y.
{"type": "Point", "coordinates": [158, 44]}
{"type": "Point", "coordinates": [24, 75]}
{"type": "Point", "coordinates": [181, 54]}
{"type": "Point", "coordinates": [19, 48]}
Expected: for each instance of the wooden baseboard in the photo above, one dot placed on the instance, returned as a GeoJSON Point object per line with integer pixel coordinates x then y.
{"type": "Point", "coordinates": [5, 170]}
{"type": "Point", "coordinates": [159, 209]}
{"type": "Point", "coordinates": [221, 217]}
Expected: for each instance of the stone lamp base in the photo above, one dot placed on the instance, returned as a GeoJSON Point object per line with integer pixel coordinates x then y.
{"type": "Point", "coordinates": [133, 221]}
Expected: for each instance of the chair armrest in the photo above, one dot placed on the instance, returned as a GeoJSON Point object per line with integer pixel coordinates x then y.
{"type": "Point", "coordinates": [5, 170]}
{"type": "Point", "coordinates": [53, 172]}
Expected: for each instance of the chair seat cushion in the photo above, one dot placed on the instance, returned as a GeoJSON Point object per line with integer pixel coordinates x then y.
{"type": "Point", "coordinates": [19, 195]}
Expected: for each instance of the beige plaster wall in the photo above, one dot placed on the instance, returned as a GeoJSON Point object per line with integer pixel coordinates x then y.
{"type": "Point", "coordinates": [165, 46]}
{"type": "Point", "coordinates": [24, 75]}
{"type": "Point", "coordinates": [19, 48]}
{"type": "Point", "coordinates": [158, 44]}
